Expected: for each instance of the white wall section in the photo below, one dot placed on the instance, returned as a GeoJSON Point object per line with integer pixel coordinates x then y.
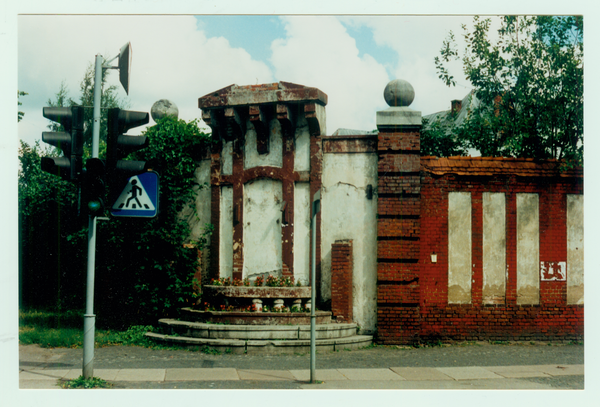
{"type": "Point", "coordinates": [226, 233]}
{"type": "Point", "coordinates": [528, 249]}
{"type": "Point", "coordinates": [263, 200]}
{"type": "Point", "coordinates": [574, 249]}
{"type": "Point", "coordinates": [346, 213]}
{"type": "Point", "coordinates": [459, 248]}
{"type": "Point", "coordinates": [494, 248]}
{"type": "Point", "coordinates": [302, 232]}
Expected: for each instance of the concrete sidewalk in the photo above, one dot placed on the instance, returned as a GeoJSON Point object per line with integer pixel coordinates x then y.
{"type": "Point", "coordinates": [472, 377]}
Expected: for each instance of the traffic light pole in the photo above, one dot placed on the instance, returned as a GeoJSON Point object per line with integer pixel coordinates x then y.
{"type": "Point", "coordinates": [89, 321]}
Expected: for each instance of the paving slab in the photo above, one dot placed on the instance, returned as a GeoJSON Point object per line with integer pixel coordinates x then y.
{"type": "Point", "coordinates": [42, 374]}
{"type": "Point", "coordinates": [201, 374]}
{"type": "Point", "coordinates": [562, 370]}
{"type": "Point", "coordinates": [72, 374]}
{"type": "Point", "coordinates": [468, 373]}
{"type": "Point", "coordinates": [39, 384]}
{"type": "Point", "coordinates": [140, 375]}
{"type": "Point", "coordinates": [517, 371]}
{"type": "Point", "coordinates": [265, 375]}
{"type": "Point", "coordinates": [321, 374]}
{"type": "Point", "coordinates": [370, 374]}
{"type": "Point", "coordinates": [492, 384]}
{"type": "Point", "coordinates": [420, 373]}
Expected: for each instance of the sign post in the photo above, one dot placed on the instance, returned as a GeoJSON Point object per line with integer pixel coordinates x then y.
{"type": "Point", "coordinates": [316, 207]}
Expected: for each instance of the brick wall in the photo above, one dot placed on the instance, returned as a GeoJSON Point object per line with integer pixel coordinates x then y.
{"type": "Point", "coordinates": [341, 279]}
{"type": "Point", "coordinates": [552, 319]}
{"type": "Point", "coordinates": [398, 236]}
{"type": "Point", "coordinates": [412, 301]}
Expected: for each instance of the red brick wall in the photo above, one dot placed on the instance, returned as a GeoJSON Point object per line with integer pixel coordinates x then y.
{"type": "Point", "coordinates": [341, 279]}
{"type": "Point", "coordinates": [398, 236]}
{"type": "Point", "coordinates": [412, 301]}
{"type": "Point", "coordinates": [552, 319]}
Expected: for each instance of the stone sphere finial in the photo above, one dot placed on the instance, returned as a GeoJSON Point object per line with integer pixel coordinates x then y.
{"type": "Point", "coordinates": [399, 93]}
{"type": "Point", "coordinates": [162, 108]}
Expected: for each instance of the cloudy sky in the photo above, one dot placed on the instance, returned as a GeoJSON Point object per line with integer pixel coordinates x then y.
{"type": "Point", "coordinates": [183, 57]}
{"type": "Point", "coordinates": [350, 57]}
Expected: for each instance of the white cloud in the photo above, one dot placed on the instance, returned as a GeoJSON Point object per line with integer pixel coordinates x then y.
{"type": "Point", "coordinates": [417, 41]}
{"type": "Point", "coordinates": [171, 59]}
{"type": "Point", "coordinates": [318, 52]}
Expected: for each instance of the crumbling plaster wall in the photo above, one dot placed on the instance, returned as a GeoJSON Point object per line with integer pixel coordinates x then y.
{"type": "Point", "coordinates": [346, 213]}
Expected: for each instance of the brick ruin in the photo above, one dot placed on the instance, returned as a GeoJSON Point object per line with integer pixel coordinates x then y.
{"type": "Point", "coordinates": [411, 248]}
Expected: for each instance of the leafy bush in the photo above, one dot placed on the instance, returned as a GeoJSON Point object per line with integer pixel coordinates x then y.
{"type": "Point", "coordinates": [144, 267]}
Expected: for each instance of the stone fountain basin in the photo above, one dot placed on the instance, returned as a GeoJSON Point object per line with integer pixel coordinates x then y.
{"type": "Point", "coordinates": [256, 292]}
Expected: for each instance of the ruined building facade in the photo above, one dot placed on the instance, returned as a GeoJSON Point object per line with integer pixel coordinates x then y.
{"type": "Point", "coordinates": [409, 247]}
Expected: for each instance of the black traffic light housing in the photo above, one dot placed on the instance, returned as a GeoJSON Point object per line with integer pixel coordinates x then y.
{"type": "Point", "coordinates": [69, 166]}
{"type": "Point", "coordinates": [94, 187]}
{"type": "Point", "coordinates": [119, 146]}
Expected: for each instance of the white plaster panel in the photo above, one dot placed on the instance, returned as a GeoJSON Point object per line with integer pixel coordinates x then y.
{"type": "Point", "coordinates": [574, 249]}
{"type": "Point", "coordinates": [302, 232]}
{"type": "Point", "coordinates": [275, 156]}
{"type": "Point", "coordinates": [459, 248]}
{"type": "Point", "coordinates": [302, 146]}
{"type": "Point", "coordinates": [348, 214]}
{"type": "Point", "coordinates": [226, 233]}
{"type": "Point", "coordinates": [201, 217]}
{"type": "Point", "coordinates": [494, 248]}
{"type": "Point", "coordinates": [227, 158]}
{"type": "Point", "coordinates": [322, 118]}
{"type": "Point", "coordinates": [528, 249]}
{"type": "Point", "coordinates": [263, 201]}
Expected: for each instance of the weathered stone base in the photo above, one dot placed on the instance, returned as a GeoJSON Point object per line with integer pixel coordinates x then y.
{"type": "Point", "coordinates": [255, 318]}
{"type": "Point", "coordinates": [267, 347]}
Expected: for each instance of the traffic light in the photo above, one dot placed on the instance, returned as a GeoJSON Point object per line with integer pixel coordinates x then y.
{"type": "Point", "coordinates": [119, 146]}
{"type": "Point", "coordinates": [94, 188]}
{"type": "Point", "coordinates": [68, 166]}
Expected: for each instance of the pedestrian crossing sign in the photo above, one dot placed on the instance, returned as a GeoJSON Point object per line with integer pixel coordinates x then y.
{"type": "Point", "coordinates": [139, 197]}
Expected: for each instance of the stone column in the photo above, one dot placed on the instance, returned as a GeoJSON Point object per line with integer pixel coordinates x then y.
{"type": "Point", "coordinates": [399, 207]}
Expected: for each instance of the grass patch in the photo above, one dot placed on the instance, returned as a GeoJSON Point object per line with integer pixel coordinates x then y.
{"type": "Point", "coordinates": [83, 383]}
{"type": "Point", "coordinates": [50, 329]}
{"type": "Point", "coordinates": [51, 337]}
{"type": "Point", "coordinates": [209, 350]}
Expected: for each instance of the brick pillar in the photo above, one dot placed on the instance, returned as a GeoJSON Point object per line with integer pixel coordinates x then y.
{"type": "Point", "coordinates": [341, 279]}
{"type": "Point", "coordinates": [399, 223]}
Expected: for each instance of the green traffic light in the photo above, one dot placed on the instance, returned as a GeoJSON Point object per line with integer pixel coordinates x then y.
{"type": "Point", "coordinates": [94, 206]}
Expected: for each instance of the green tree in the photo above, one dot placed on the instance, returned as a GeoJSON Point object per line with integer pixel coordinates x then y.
{"type": "Point", "coordinates": [143, 270]}
{"type": "Point", "coordinates": [438, 140]}
{"type": "Point", "coordinates": [51, 265]}
{"type": "Point", "coordinates": [109, 99]}
{"type": "Point", "coordinates": [146, 269]}
{"type": "Point", "coordinates": [530, 84]}
{"type": "Point", "coordinates": [20, 114]}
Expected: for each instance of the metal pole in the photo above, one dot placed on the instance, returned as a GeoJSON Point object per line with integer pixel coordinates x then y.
{"type": "Point", "coordinates": [89, 319]}
{"type": "Point", "coordinates": [313, 274]}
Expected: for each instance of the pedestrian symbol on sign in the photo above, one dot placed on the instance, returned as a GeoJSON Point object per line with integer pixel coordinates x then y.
{"type": "Point", "coordinates": [134, 193]}
{"type": "Point", "coordinates": [139, 197]}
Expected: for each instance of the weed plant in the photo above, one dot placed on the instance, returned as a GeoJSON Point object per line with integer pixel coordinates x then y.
{"type": "Point", "coordinates": [83, 383]}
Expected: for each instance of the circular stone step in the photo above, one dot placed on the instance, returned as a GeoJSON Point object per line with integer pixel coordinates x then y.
{"type": "Point", "coordinates": [256, 332]}
{"type": "Point", "coordinates": [272, 347]}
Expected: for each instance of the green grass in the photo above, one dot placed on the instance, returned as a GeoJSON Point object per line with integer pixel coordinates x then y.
{"type": "Point", "coordinates": [65, 330]}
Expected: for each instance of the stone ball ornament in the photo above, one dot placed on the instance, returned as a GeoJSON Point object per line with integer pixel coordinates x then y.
{"type": "Point", "coordinates": [399, 93]}
{"type": "Point", "coordinates": [163, 108]}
